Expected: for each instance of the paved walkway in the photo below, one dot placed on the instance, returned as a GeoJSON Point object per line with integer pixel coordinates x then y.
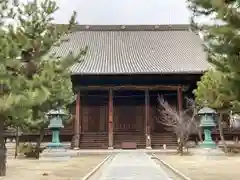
{"type": "Point", "coordinates": [133, 166]}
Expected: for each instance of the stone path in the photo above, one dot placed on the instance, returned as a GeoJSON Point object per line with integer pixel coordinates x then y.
{"type": "Point", "coordinates": [133, 166]}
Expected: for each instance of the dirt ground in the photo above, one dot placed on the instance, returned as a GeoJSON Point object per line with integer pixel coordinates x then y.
{"type": "Point", "coordinates": [72, 169]}
{"type": "Point", "coordinates": [205, 168]}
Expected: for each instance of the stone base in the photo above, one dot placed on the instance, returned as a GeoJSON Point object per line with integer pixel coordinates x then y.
{"type": "Point", "coordinates": [207, 152]}
{"type": "Point", "coordinates": [58, 154]}
{"type": "Point", "coordinates": [55, 145]}
{"type": "Point", "coordinates": [148, 147]}
{"type": "Point", "coordinates": [110, 148]}
{"type": "Point", "coordinates": [208, 144]}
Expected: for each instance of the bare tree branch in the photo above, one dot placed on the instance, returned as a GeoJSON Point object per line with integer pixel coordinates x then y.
{"type": "Point", "coordinates": [181, 123]}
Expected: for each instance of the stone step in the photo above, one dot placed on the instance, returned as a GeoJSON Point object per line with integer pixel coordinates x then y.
{"type": "Point", "coordinates": [11, 147]}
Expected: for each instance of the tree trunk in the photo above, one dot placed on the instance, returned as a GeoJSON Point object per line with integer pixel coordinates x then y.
{"type": "Point", "coordinates": [38, 146]}
{"type": "Point", "coordinates": [200, 134]}
{"type": "Point", "coordinates": [221, 133]}
{"type": "Point", "coordinates": [17, 142]}
{"type": "Point", "coordinates": [180, 146]}
{"type": "Point", "coordinates": [2, 149]}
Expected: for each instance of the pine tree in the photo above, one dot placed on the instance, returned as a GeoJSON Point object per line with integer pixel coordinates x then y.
{"type": "Point", "coordinates": [33, 80]}
{"type": "Point", "coordinates": [212, 91]}
{"type": "Point", "coordinates": [42, 67]}
{"type": "Point", "coordinates": [219, 88]}
{"type": "Point", "coordinates": [222, 38]}
{"type": "Point", "coordinates": [14, 87]}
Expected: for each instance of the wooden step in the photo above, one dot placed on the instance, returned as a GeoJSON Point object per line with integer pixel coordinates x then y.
{"type": "Point", "coordinates": [159, 139]}
{"type": "Point", "coordinates": [94, 141]}
{"type": "Point", "coordinates": [123, 137]}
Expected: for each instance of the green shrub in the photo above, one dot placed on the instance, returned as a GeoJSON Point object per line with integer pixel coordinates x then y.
{"type": "Point", "coordinates": [29, 150]}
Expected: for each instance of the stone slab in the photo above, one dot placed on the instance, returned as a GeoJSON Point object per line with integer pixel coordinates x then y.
{"type": "Point", "coordinates": [58, 154]}
{"type": "Point", "coordinates": [133, 166]}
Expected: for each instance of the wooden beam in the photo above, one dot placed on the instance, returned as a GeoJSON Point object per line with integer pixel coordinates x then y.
{"type": "Point", "coordinates": [132, 87]}
{"type": "Point", "coordinates": [147, 124]}
{"type": "Point", "coordinates": [180, 99]}
{"type": "Point", "coordinates": [110, 120]}
{"type": "Point", "coordinates": [77, 123]}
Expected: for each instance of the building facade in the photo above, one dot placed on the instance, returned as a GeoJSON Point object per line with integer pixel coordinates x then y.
{"type": "Point", "coordinates": [118, 83]}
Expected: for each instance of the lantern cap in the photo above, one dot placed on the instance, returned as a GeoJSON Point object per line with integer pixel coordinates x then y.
{"type": "Point", "coordinates": [206, 110]}
{"type": "Point", "coordinates": [55, 124]}
{"type": "Point", "coordinates": [56, 112]}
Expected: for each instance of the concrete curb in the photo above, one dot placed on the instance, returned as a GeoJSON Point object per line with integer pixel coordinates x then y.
{"type": "Point", "coordinates": [90, 174]}
{"type": "Point", "coordinates": [172, 168]}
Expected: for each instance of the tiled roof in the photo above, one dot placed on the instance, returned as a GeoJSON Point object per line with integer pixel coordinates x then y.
{"type": "Point", "coordinates": [136, 49]}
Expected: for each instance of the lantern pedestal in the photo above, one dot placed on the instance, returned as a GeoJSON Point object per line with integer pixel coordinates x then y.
{"type": "Point", "coordinates": [208, 142]}
{"type": "Point", "coordinates": [55, 139]}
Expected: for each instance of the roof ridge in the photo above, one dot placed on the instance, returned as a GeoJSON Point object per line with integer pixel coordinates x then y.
{"type": "Point", "coordinates": [154, 27]}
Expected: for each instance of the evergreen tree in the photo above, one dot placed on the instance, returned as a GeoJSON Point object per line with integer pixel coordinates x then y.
{"type": "Point", "coordinates": [42, 67]}
{"type": "Point", "coordinates": [15, 89]}
{"type": "Point", "coordinates": [222, 38]}
{"type": "Point", "coordinates": [212, 91]}
{"type": "Point", "coordinates": [219, 88]}
{"type": "Point", "coordinates": [33, 80]}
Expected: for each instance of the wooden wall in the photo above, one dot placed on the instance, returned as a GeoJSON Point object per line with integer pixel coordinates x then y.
{"type": "Point", "coordinates": [128, 111]}
{"type": "Point", "coordinates": [94, 111]}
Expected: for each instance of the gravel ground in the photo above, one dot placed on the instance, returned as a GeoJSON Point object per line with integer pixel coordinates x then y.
{"type": "Point", "coordinates": [205, 168]}
{"type": "Point", "coordinates": [72, 169]}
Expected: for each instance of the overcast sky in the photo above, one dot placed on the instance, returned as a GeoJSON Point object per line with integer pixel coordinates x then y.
{"type": "Point", "coordinates": [124, 11]}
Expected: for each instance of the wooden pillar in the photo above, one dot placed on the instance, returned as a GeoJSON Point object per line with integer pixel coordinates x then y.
{"type": "Point", "coordinates": [77, 123]}
{"type": "Point", "coordinates": [147, 123]}
{"type": "Point", "coordinates": [110, 120]}
{"type": "Point", "coordinates": [180, 99]}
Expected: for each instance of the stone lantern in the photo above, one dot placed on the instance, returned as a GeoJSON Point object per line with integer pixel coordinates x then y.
{"type": "Point", "coordinates": [207, 122]}
{"type": "Point", "coordinates": [56, 123]}
{"type": "Point", "coordinates": [235, 122]}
